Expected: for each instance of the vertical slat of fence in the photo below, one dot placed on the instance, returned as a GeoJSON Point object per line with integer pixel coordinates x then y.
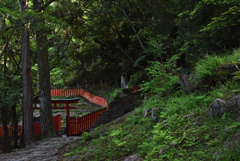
{"type": "Point", "coordinates": [1, 131]}
{"type": "Point", "coordinates": [84, 123]}
{"type": "Point", "coordinates": [72, 123]}
{"type": "Point", "coordinates": [77, 119]}
{"type": "Point", "coordinates": [69, 126]}
{"type": "Point", "coordinates": [80, 124]}
{"type": "Point", "coordinates": [87, 121]}
{"type": "Point", "coordinates": [91, 119]}
{"type": "Point", "coordinates": [74, 126]}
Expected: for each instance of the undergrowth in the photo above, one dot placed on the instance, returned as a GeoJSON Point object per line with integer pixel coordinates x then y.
{"type": "Point", "coordinates": [183, 130]}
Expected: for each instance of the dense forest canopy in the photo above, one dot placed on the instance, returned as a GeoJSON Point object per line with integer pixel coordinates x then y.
{"type": "Point", "coordinates": [93, 42]}
{"type": "Point", "coordinates": [90, 40]}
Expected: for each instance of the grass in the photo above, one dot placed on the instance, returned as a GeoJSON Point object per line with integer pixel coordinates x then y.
{"type": "Point", "coordinates": [183, 130]}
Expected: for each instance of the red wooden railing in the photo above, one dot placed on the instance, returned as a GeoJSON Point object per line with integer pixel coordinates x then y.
{"type": "Point", "coordinates": [36, 126]}
{"type": "Point", "coordinates": [78, 125]}
{"type": "Point", "coordinates": [56, 122]}
{"type": "Point", "coordinates": [11, 131]}
{"type": "Point", "coordinates": [80, 92]}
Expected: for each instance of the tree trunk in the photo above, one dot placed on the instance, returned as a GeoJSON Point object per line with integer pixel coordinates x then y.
{"type": "Point", "coordinates": [15, 126]}
{"type": "Point", "coordinates": [47, 126]}
{"type": "Point", "coordinates": [4, 113]}
{"type": "Point", "coordinates": [26, 79]}
{"type": "Point", "coordinates": [6, 138]}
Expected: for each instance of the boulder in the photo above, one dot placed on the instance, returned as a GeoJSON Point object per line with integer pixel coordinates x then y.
{"type": "Point", "coordinates": [217, 108]}
{"type": "Point", "coordinates": [134, 157]}
{"type": "Point", "coordinates": [230, 105]}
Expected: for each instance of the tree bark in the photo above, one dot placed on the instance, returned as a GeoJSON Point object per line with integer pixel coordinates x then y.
{"type": "Point", "coordinates": [47, 126]}
{"type": "Point", "coordinates": [26, 79]}
{"type": "Point", "coordinates": [6, 138]}
{"type": "Point", "coordinates": [15, 126]}
{"type": "Point", "coordinates": [4, 112]}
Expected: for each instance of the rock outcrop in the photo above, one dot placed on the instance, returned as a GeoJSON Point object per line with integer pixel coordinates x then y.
{"type": "Point", "coordinates": [134, 157]}
{"type": "Point", "coordinates": [217, 108]}
{"type": "Point", "coordinates": [230, 105]}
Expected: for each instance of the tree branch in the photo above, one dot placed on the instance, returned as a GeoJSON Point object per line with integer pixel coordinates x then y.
{"type": "Point", "coordinates": [125, 53]}
{"type": "Point", "coordinates": [166, 9]}
{"type": "Point", "coordinates": [132, 27]}
{"type": "Point", "coordinates": [65, 49]}
{"type": "Point", "coordinates": [5, 46]}
{"type": "Point", "coordinates": [45, 5]}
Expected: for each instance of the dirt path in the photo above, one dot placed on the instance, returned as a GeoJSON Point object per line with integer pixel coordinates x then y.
{"type": "Point", "coordinates": [43, 150]}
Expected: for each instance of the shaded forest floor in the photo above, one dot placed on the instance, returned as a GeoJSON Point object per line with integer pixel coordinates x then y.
{"type": "Point", "coordinates": [183, 131]}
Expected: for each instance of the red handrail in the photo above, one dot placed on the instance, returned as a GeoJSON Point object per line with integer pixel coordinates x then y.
{"type": "Point", "coordinates": [36, 127]}
{"type": "Point", "coordinates": [75, 125]}
{"type": "Point", "coordinates": [78, 125]}
{"type": "Point", "coordinates": [80, 92]}
{"type": "Point", "coordinates": [11, 131]}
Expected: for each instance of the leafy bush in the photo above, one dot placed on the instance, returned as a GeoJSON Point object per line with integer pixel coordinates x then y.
{"type": "Point", "coordinates": [162, 77]}
{"type": "Point", "coordinates": [205, 68]}
{"type": "Point", "coordinates": [114, 93]}
{"type": "Point", "coordinates": [182, 131]}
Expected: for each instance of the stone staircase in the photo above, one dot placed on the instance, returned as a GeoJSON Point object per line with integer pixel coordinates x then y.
{"type": "Point", "coordinates": [119, 107]}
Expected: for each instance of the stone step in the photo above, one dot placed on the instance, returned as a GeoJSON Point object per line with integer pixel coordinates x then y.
{"type": "Point", "coordinates": [118, 108]}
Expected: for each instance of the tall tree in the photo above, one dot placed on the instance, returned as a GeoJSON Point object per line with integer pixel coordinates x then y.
{"type": "Point", "coordinates": [47, 126]}
{"type": "Point", "coordinates": [4, 109]}
{"type": "Point", "coordinates": [26, 78]}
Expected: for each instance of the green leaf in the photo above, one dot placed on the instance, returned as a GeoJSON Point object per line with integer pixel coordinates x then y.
{"type": "Point", "coordinates": [2, 11]}
{"type": "Point", "coordinates": [139, 60]}
{"type": "Point", "coordinates": [10, 18]}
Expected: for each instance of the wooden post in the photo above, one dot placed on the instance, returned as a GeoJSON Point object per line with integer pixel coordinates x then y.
{"type": "Point", "coordinates": [68, 119]}
{"type": "Point", "coordinates": [186, 85]}
{"type": "Point", "coordinates": [154, 117]}
{"type": "Point", "coordinates": [145, 112]}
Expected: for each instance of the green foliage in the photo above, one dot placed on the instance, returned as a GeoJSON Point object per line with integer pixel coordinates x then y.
{"type": "Point", "coordinates": [156, 49]}
{"type": "Point", "coordinates": [90, 41]}
{"type": "Point", "coordinates": [10, 94]}
{"type": "Point", "coordinates": [114, 93]}
{"type": "Point", "coordinates": [10, 15]}
{"type": "Point", "coordinates": [178, 135]}
{"type": "Point", "coordinates": [137, 78]}
{"type": "Point", "coordinates": [226, 19]}
{"type": "Point", "coordinates": [207, 66]}
{"type": "Point", "coordinates": [183, 131]}
{"type": "Point", "coordinates": [206, 28]}
{"type": "Point", "coordinates": [57, 78]}
{"type": "Point", "coordinates": [162, 80]}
